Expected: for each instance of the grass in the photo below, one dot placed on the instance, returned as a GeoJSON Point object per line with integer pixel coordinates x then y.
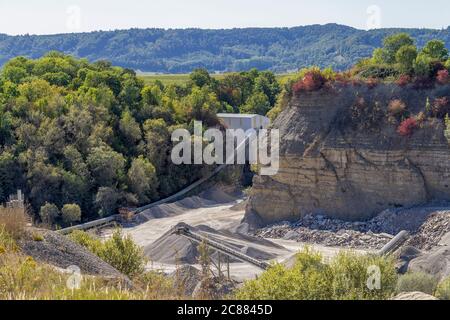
{"type": "Point", "coordinates": [181, 79]}
{"type": "Point", "coordinates": [417, 282]}
{"type": "Point", "coordinates": [14, 221]}
{"type": "Point", "coordinates": [22, 278]}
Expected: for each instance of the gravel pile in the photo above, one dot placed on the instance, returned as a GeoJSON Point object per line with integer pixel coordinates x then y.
{"type": "Point", "coordinates": [341, 238]}
{"type": "Point", "coordinates": [427, 225]}
{"type": "Point", "coordinates": [432, 231]}
{"type": "Point", "coordinates": [57, 250]}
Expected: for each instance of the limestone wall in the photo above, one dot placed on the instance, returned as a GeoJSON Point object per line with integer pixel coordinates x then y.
{"type": "Point", "coordinates": [351, 166]}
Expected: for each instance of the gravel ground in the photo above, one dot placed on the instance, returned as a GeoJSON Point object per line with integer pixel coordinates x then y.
{"type": "Point", "coordinates": [427, 226]}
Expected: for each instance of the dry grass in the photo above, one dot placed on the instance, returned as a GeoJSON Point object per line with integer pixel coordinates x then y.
{"type": "Point", "coordinates": [14, 221]}
{"type": "Point", "coordinates": [22, 278]}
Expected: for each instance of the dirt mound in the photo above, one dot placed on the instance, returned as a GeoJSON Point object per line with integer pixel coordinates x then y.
{"type": "Point", "coordinates": [59, 251]}
{"type": "Point", "coordinates": [174, 249]}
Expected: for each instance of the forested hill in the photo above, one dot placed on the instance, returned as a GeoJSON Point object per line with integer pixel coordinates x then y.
{"type": "Point", "coordinates": [182, 50]}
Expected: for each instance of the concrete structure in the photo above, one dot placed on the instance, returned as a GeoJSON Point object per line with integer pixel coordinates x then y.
{"type": "Point", "coordinates": [244, 121]}
{"type": "Point", "coordinates": [16, 201]}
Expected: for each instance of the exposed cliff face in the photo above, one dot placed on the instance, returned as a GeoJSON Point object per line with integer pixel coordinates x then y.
{"type": "Point", "coordinates": [341, 156]}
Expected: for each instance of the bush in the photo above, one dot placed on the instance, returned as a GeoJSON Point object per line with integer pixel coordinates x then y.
{"type": "Point", "coordinates": [71, 213]}
{"type": "Point", "coordinates": [49, 213]}
{"type": "Point", "coordinates": [312, 81]}
{"type": "Point", "coordinates": [441, 107]}
{"type": "Point", "coordinates": [311, 279]}
{"type": "Point", "coordinates": [407, 127]}
{"type": "Point", "coordinates": [352, 276]}
{"type": "Point", "coordinates": [403, 80]}
{"type": "Point", "coordinates": [120, 252]}
{"type": "Point", "coordinates": [443, 76]}
{"type": "Point", "coordinates": [420, 282]}
{"type": "Point", "coordinates": [397, 108]}
{"type": "Point", "coordinates": [443, 290]}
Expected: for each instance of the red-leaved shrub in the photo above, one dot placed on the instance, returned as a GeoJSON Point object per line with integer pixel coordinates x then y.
{"type": "Point", "coordinates": [407, 127]}
{"type": "Point", "coordinates": [443, 76]}
{"type": "Point", "coordinates": [312, 81]}
{"type": "Point", "coordinates": [441, 107]}
{"type": "Point", "coordinates": [403, 80]}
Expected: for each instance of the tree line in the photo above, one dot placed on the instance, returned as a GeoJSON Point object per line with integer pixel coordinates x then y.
{"type": "Point", "coordinates": [279, 50]}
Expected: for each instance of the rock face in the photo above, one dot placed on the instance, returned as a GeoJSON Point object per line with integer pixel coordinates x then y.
{"type": "Point", "coordinates": [341, 155]}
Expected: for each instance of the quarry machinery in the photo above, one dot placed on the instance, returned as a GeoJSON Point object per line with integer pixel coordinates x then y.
{"type": "Point", "coordinates": [230, 252]}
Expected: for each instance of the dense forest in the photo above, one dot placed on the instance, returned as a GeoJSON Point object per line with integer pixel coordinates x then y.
{"type": "Point", "coordinates": [81, 139]}
{"type": "Point", "coordinates": [181, 51]}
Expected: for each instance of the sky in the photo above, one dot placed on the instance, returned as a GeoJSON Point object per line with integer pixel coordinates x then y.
{"type": "Point", "coordinates": [65, 16]}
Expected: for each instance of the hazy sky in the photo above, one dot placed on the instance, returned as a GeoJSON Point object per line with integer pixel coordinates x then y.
{"type": "Point", "coordinates": [61, 16]}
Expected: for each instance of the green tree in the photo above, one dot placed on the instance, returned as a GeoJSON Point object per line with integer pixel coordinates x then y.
{"type": "Point", "coordinates": [130, 129]}
{"type": "Point", "coordinates": [436, 50]}
{"type": "Point", "coordinates": [70, 214]}
{"type": "Point", "coordinates": [405, 57]}
{"type": "Point", "coordinates": [203, 105]}
{"type": "Point", "coordinates": [49, 213]}
{"type": "Point", "coordinates": [258, 103]}
{"type": "Point", "coordinates": [157, 139]}
{"type": "Point", "coordinates": [106, 201]}
{"type": "Point", "coordinates": [200, 77]}
{"type": "Point", "coordinates": [142, 179]}
{"type": "Point", "coordinates": [152, 95]}
{"type": "Point", "coordinates": [422, 65]}
{"type": "Point", "coordinates": [106, 166]}
{"type": "Point", "coordinates": [392, 45]}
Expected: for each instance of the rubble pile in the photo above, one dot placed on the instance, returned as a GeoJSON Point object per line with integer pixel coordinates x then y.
{"type": "Point", "coordinates": [432, 231]}
{"type": "Point", "coordinates": [427, 227]}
